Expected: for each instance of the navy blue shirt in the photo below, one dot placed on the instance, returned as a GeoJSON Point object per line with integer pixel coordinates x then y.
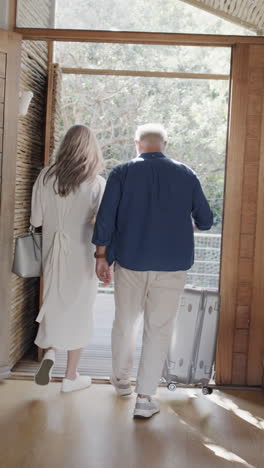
{"type": "Point", "coordinates": [145, 217]}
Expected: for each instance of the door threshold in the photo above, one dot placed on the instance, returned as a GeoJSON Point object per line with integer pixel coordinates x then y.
{"type": "Point", "coordinates": [106, 381]}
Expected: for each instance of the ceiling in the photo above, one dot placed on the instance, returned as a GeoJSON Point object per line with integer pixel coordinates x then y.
{"type": "Point", "coordinates": [249, 13]}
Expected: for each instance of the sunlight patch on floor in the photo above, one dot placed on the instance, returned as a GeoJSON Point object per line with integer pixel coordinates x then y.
{"type": "Point", "coordinates": [218, 450]}
{"type": "Point", "coordinates": [229, 405]}
{"type": "Point", "coordinates": [226, 454]}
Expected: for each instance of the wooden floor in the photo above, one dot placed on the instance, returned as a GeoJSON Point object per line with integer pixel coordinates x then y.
{"type": "Point", "coordinates": [94, 429]}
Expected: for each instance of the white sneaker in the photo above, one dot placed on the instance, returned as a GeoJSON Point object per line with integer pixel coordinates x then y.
{"type": "Point", "coordinates": [43, 376]}
{"type": "Point", "coordinates": [146, 408]}
{"type": "Point", "coordinates": [81, 382]}
{"type": "Point", "coordinates": [123, 387]}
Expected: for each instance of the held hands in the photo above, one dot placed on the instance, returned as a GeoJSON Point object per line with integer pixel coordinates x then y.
{"type": "Point", "coordinates": [104, 271]}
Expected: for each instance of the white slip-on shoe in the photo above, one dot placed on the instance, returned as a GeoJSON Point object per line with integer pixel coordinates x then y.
{"type": "Point", "coordinates": [146, 408]}
{"type": "Point", "coordinates": [123, 387]}
{"type": "Point", "coordinates": [43, 376]}
{"type": "Point", "coordinates": [81, 382]}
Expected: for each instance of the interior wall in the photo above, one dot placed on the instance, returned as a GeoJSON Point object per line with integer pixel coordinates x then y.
{"type": "Point", "coordinates": [10, 54]}
{"type": "Point", "coordinates": [30, 159]}
{"type": "Point", "coordinates": [255, 361]}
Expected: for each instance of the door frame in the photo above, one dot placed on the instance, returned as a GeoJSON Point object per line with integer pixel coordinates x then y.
{"type": "Point", "coordinates": [235, 174]}
{"type": "Point", "coordinates": [226, 246]}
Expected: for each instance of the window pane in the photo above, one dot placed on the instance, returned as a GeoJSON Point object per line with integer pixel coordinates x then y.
{"type": "Point", "coordinates": [143, 57]}
{"type": "Point", "coordinates": [193, 111]}
{"type": "Point", "coordinates": [125, 15]}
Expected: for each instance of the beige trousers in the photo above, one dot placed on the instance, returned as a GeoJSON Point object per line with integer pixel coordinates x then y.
{"type": "Point", "coordinates": [156, 295]}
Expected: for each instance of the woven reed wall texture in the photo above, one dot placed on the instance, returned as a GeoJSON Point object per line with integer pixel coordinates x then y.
{"type": "Point", "coordinates": [55, 136]}
{"type": "Point", "coordinates": [249, 12]}
{"type": "Point", "coordinates": [30, 156]}
{"type": "Point", "coordinates": [35, 14]}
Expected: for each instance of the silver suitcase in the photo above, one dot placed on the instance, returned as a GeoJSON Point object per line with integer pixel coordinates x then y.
{"type": "Point", "coordinates": [191, 355]}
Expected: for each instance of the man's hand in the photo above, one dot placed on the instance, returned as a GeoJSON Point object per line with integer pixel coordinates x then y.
{"type": "Point", "coordinates": [104, 271]}
{"type": "Point", "coordinates": [195, 228]}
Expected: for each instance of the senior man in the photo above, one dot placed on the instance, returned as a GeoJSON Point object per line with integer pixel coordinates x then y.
{"type": "Point", "coordinates": [145, 224]}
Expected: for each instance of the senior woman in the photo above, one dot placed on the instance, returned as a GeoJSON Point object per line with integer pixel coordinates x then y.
{"type": "Point", "coordinates": [65, 201]}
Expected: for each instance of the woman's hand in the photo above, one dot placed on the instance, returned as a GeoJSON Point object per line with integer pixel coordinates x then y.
{"type": "Point", "coordinates": [104, 271]}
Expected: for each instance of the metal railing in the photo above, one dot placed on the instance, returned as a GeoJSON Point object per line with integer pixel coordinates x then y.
{"type": "Point", "coordinates": [206, 268]}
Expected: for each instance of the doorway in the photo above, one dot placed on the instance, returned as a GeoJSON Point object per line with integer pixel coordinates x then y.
{"type": "Point", "coordinates": [240, 343]}
{"type": "Point", "coordinates": [186, 89]}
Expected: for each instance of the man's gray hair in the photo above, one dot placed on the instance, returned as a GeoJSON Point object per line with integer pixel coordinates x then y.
{"type": "Point", "coordinates": [151, 129]}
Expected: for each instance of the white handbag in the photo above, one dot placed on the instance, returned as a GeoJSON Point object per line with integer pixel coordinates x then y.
{"type": "Point", "coordinates": [28, 254]}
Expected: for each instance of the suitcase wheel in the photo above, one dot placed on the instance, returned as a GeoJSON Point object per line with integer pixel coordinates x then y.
{"type": "Point", "coordinates": [207, 390]}
{"type": "Point", "coordinates": [172, 387]}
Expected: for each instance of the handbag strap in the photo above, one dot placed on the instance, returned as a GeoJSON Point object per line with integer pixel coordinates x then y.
{"type": "Point", "coordinates": [36, 247]}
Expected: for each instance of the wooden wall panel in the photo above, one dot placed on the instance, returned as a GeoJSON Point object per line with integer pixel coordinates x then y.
{"type": "Point", "coordinates": [244, 294]}
{"type": "Point", "coordinates": [247, 243]}
{"type": "Point", "coordinates": [254, 104]}
{"type": "Point", "coordinates": [239, 365]}
{"type": "Point", "coordinates": [242, 316]}
{"type": "Point", "coordinates": [232, 212]}
{"type": "Point", "coordinates": [243, 344]}
{"type": "Point", "coordinates": [241, 341]}
{"type": "Point", "coordinates": [255, 374]}
{"type": "Point", "coordinates": [252, 150]}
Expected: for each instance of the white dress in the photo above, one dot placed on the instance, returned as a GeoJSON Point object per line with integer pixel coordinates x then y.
{"type": "Point", "coordinates": [70, 284]}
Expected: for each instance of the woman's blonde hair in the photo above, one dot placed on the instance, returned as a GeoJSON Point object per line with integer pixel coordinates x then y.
{"type": "Point", "coordinates": [78, 159]}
